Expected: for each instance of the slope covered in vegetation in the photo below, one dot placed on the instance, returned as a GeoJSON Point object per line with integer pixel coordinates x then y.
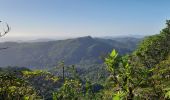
{"type": "Point", "coordinates": [83, 50]}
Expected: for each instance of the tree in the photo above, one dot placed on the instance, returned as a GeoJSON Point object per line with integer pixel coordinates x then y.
{"type": "Point", "coordinates": [155, 48]}
{"type": "Point", "coordinates": [43, 82]}
{"type": "Point", "coordinates": [14, 87]}
{"type": "Point", "coordinates": [5, 30]}
{"type": "Point", "coordinates": [125, 78]}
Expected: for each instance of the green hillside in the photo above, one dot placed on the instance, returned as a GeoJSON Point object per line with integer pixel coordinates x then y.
{"type": "Point", "coordinates": [83, 50]}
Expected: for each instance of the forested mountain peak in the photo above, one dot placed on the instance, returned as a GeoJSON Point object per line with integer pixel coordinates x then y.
{"type": "Point", "coordinates": [74, 51]}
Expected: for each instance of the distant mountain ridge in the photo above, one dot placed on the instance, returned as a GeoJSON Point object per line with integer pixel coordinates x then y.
{"type": "Point", "coordinates": [82, 50]}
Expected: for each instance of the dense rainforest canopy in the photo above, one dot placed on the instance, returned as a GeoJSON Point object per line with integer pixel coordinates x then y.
{"type": "Point", "coordinates": [143, 74]}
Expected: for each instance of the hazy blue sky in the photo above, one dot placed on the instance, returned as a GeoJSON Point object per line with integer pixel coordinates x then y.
{"type": "Point", "coordinates": [58, 18]}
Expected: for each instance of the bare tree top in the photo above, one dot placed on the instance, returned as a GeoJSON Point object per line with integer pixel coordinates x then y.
{"type": "Point", "coordinates": [5, 29]}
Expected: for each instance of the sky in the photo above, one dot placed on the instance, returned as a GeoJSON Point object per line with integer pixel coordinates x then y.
{"type": "Point", "coordinates": [74, 18]}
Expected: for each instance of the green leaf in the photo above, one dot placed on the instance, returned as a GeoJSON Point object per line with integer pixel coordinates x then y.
{"type": "Point", "coordinates": [167, 95]}
{"type": "Point", "coordinates": [116, 97]}
{"type": "Point", "coordinates": [114, 53]}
